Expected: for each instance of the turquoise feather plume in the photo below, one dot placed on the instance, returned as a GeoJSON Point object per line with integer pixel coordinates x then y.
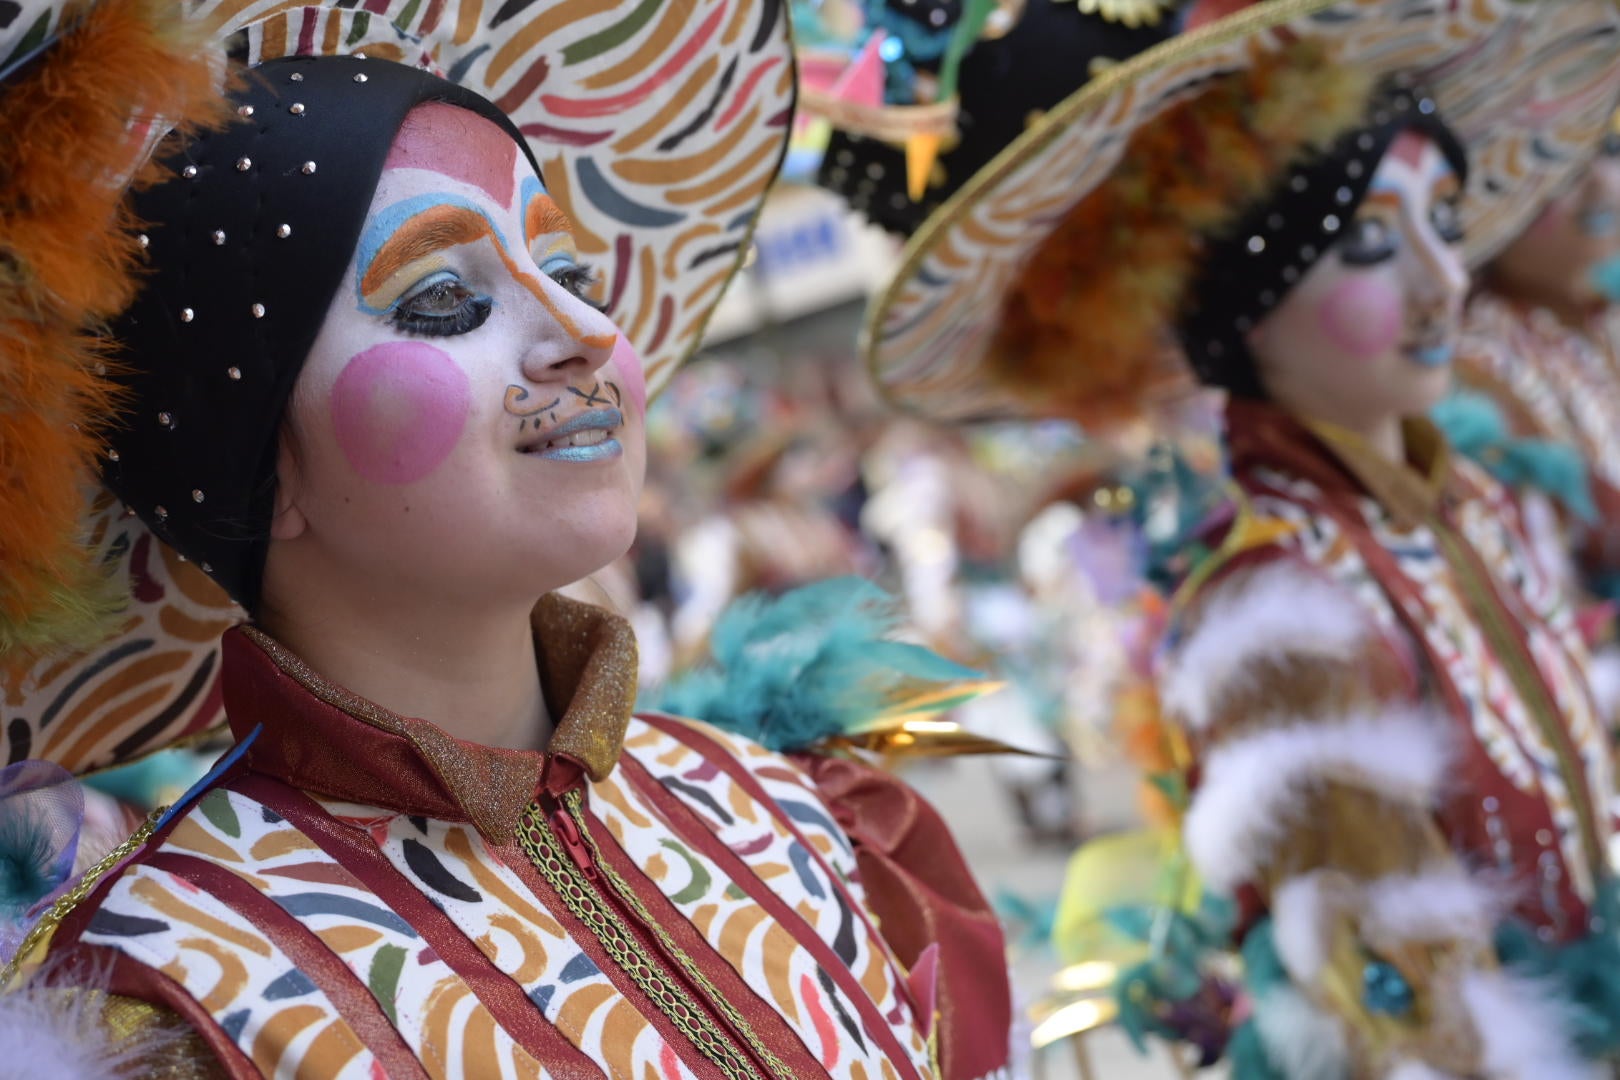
{"type": "Point", "coordinates": [41, 812]}
{"type": "Point", "coordinates": [1475, 426]}
{"type": "Point", "coordinates": [1606, 278]}
{"type": "Point", "coordinates": [792, 671]}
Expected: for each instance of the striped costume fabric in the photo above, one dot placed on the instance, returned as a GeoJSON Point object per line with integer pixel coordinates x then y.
{"type": "Point", "coordinates": [1439, 600]}
{"type": "Point", "coordinates": [1399, 775]}
{"type": "Point", "coordinates": [696, 909]}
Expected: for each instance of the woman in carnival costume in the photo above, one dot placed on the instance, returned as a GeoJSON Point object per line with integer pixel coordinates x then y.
{"type": "Point", "coordinates": [365, 386]}
{"type": "Point", "coordinates": [1396, 771]}
{"type": "Point", "coordinates": [1539, 370]}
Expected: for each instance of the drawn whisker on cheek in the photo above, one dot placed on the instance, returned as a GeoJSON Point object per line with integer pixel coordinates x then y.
{"type": "Point", "coordinates": [517, 395]}
{"type": "Point", "coordinates": [618, 398]}
{"type": "Point", "coordinates": [592, 398]}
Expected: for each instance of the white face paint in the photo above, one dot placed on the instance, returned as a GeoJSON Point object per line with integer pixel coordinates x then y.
{"type": "Point", "coordinates": [1367, 335]}
{"type": "Point", "coordinates": [466, 425]}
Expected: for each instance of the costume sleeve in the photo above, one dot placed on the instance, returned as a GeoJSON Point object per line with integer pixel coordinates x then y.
{"type": "Point", "coordinates": [1318, 778]}
{"type": "Point", "coordinates": [924, 898]}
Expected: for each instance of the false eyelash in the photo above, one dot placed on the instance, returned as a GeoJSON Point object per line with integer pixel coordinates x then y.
{"type": "Point", "coordinates": [472, 314]}
{"type": "Point", "coordinates": [1354, 250]}
{"type": "Point", "coordinates": [580, 279]}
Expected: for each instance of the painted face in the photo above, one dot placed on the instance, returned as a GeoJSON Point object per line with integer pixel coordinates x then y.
{"type": "Point", "coordinates": [1367, 335]}
{"type": "Point", "coordinates": [466, 420]}
{"type": "Point", "coordinates": [1568, 253]}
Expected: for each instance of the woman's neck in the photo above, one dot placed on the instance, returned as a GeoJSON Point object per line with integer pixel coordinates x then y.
{"type": "Point", "coordinates": [474, 675]}
{"type": "Point", "coordinates": [1386, 438]}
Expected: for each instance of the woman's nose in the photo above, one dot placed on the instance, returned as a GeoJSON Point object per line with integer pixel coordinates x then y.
{"type": "Point", "coordinates": [575, 341]}
{"type": "Point", "coordinates": [572, 362]}
{"type": "Point", "coordinates": [1439, 277]}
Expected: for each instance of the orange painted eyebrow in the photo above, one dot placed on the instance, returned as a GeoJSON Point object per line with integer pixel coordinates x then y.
{"type": "Point", "coordinates": [544, 217]}
{"type": "Point", "coordinates": [428, 233]}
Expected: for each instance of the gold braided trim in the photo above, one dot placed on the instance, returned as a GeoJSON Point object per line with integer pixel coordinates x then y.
{"type": "Point", "coordinates": [40, 934]}
{"type": "Point", "coordinates": [673, 1000]}
{"type": "Point", "coordinates": [628, 895]}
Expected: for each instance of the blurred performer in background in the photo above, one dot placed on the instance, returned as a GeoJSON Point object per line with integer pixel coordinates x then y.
{"type": "Point", "coordinates": [1397, 777]}
{"type": "Point", "coordinates": [355, 369]}
{"type": "Point", "coordinates": [1539, 400]}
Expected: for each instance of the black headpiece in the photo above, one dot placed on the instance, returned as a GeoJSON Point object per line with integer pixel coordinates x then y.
{"type": "Point", "coordinates": [1003, 84]}
{"type": "Point", "coordinates": [247, 245]}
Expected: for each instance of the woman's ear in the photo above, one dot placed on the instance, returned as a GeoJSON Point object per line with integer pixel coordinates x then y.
{"type": "Point", "coordinates": [288, 521]}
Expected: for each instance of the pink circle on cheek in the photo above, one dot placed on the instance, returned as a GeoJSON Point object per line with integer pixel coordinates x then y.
{"type": "Point", "coordinates": [627, 362]}
{"type": "Point", "coordinates": [1363, 316]}
{"type": "Point", "coordinates": [398, 410]}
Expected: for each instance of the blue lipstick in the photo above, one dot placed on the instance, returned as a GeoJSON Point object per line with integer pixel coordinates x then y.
{"type": "Point", "coordinates": [1433, 356]}
{"type": "Point", "coordinates": [594, 420]}
{"type": "Point", "coordinates": [607, 448]}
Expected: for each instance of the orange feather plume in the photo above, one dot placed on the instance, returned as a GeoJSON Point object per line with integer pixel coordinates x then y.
{"type": "Point", "coordinates": [74, 129]}
{"type": "Point", "coordinates": [1086, 328]}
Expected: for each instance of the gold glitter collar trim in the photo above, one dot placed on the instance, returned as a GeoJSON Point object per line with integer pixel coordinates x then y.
{"type": "Point", "coordinates": [588, 666]}
{"type": "Point", "coordinates": [588, 660]}
{"type": "Point", "coordinates": [1411, 491]}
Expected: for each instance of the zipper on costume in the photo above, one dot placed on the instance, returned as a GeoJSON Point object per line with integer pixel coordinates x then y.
{"type": "Point", "coordinates": [658, 968]}
{"type": "Point", "coordinates": [1526, 677]}
{"type": "Point", "coordinates": [567, 831]}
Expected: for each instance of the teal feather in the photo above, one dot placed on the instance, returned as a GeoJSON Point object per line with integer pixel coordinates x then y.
{"type": "Point", "coordinates": [41, 813]}
{"type": "Point", "coordinates": [1605, 585]}
{"type": "Point", "coordinates": [1584, 972]}
{"type": "Point", "coordinates": [153, 779]}
{"type": "Point", "coordinates": [1476, 427]}
{"type": "Point", "coordinates": [792, 671]}
{"type": "Point", "coordinates": [1263, 973]}
{"type": "Point", "coordinates": [1606, 278]}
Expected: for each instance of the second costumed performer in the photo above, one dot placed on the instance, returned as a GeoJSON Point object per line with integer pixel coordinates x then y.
{"type": "Point", "coordinates": [1396, 774]}
{"type": "Point", "coordinates": [371, 388]}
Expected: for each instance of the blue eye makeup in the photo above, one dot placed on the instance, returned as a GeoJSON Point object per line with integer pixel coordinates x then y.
{"type": "Point", "coordinates": [440, 306]}
{"type": "Point", "coordinates": [577, 277]}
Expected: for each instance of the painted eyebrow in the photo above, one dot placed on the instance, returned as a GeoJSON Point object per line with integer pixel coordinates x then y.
{"type": "Point", "coordinates": [541, 215]}
{"type": "Point", "coordinates": [392, 232]}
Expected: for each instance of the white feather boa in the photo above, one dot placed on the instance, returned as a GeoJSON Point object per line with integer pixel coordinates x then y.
{"type": "Point", "coordinates": [49, 1033]}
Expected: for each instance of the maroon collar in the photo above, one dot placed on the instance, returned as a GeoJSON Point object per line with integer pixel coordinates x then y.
{"type": "Point", "coordinates": [322, 738]}
{"type": "Point", "coordinates": [1339, 462]}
